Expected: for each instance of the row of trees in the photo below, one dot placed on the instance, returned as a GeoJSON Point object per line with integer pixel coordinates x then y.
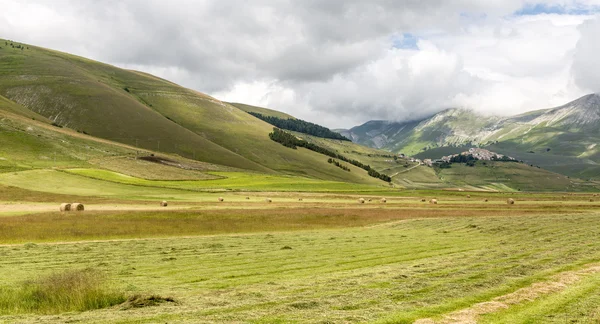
{"type": "Point", "coordinates": [301, 126]}
{"type": "Point", "coordinates": [338, 164]}
{"type": "Point", "coordinates": [291, 141]}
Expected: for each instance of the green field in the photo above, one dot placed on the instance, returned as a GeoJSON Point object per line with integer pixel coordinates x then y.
{"type": "Point", "coordinates": [256, 232]}
{"type": "Point", "coordinates": [298, 264]}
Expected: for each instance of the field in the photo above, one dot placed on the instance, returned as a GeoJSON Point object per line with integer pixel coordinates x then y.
{"type": "Point", "coordinates": [256, 232]}
{"type": "Point", "coordinates": [326, 258]}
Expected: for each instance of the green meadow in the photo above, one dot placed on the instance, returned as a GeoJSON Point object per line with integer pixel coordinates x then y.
{"type": "Point", "coordinates": [294, 266]}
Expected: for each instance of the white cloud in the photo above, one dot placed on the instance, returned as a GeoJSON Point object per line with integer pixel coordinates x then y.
{"type": "Point", "coordinates": [334, 62]}
{"type": "Point", "coordinates": [586, 64]}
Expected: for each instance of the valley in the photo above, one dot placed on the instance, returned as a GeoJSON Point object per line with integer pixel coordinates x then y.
{"type": "Point", "coordinates": [195, 213]}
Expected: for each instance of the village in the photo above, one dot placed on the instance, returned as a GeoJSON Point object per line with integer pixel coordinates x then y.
{"type": "Point", "coordinates": [477, 153]}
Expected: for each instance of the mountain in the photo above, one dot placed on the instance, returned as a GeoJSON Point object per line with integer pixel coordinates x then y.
{"type": "Point", "coordinates": [562, 139]}
{"type": "Point", "coordinates": [144, 111]}
{"type": "Point", "coordinates": [60, 111]}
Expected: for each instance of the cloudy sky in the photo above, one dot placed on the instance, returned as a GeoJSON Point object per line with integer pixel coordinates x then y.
{"type": "Point", "coordinates": [337, 62]}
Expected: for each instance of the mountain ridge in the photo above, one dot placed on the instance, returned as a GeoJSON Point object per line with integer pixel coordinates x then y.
{"type": "Point", "coordinates": [570, 130]}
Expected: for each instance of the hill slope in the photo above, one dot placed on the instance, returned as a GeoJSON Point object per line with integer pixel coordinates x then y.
{"type": "Point", "coordinates": [148, 112]}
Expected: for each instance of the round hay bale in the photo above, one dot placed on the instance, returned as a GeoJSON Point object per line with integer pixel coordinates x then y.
{"type": "Point", "coordinates": [423, 200]}
{"type": "Point", "coordinates": [268, 200]}
{"type": "Point", "coordinates": [77, 207]}
{"type": "Point", "coordinates": [65, 207]}
{"type": "Point", "coordinates": [361, 200]}
{"type": "Point", "coordinates": [468, 196]}
{"type": "Point", "coordinates": [486, 200]}
{"type": "Point", "coordinates": [383, 200]}
{"type": "Point", "coordinates": [510, 201]}
{"type": "Point", "coordinates": [433, 201]}
{"type": "Point", "coordinates": [163, 203]}
{"type": "Point", "coordinates": [221, 199]}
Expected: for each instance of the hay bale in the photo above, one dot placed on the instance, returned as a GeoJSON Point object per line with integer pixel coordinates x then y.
{"type": "Point", "coordinates": [423, 200]}
{"type": "Point", "coordinates": [486, 200]}
{"type": "Point", "coordinates": [468, 196]}
{"type": "Point", "coordinates": [361, 200]}
{"type": "Point", "coordinates": [383, 200]}
{"type": "Point", "coordinates": [65, 207]}
{"type": "Point", "coordinates": [510, 201]}
{"type": "Point", "coordinates": [221, 199]}
{"type": "Point", "coordinates": [77, 207]}
{"type": "Point", "coordinates": [163, 203]}
{"type": "Point", "coordinates": [268, 200]}
{"type": "Point", "coordinates": [433, 201]}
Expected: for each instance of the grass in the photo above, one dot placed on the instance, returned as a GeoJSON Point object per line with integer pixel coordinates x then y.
{"type": "Point", "coordinates": [394, 272]}
{"type": "Point", "coordinates": [231, 180]}
{"type": "Point", "coordinates": [262, 111]}
{"type": "Point", "coordinates": [68, 291]}
{"type": "Point", "coordinates": [98, 225]}
{"type": "Point", "coordinates": [516, 176]}
{"type": "Point", "coordinates": [577, 303]}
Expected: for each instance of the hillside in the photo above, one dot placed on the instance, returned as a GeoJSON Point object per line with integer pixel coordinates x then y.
{"type": "Point", "coordinates": [562, 139]}
{"type": "Point", "coordinates": [261, 110]}
{"type": "Point", "coordinates": [144, 111]}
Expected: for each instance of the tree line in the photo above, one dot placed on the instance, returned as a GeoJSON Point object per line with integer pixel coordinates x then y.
{"type": "Point", "coordinates": [338, 164]}
{"type": "Point", "coordinates": [301, 126]}
{"type": "Point", "coordinates": [291, 141]}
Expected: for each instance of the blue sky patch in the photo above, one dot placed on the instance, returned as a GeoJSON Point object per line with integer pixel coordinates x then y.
{"type": "Point", "coordinates": [406, 41]}
{"type": "Point", "coordinates": [542, 8]}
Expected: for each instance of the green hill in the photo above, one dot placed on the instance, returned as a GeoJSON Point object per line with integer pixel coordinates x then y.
{"type": "Point", "coordinates": [59, 111]}
{"type": "Point", "coordinates": [261, 110]}
{"type": "Point", "coordinates": [144, 111]}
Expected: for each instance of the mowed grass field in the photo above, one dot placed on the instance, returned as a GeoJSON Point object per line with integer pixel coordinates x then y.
{"type": "Point", "coordinates": [326, 258]}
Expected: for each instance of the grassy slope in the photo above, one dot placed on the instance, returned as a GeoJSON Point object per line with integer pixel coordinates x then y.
{"type": "Point", "coordinates": [154, 113]}
{"type": "Point", "coordinates": [516, 176]}
{"type": "Point", "coordinates": [85, 95]}
{"type": "Point", "coordinates": [262, 111]}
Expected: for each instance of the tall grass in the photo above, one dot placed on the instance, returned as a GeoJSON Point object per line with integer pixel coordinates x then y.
{"type": "Point", "coordinates": [72, 290]}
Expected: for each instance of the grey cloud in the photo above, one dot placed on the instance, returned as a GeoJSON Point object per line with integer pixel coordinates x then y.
{"type": "Point", "coordinates": [333, 54]}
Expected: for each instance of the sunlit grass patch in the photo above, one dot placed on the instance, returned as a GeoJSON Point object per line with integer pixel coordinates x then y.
{"type": "Point", "coordinates": [72, 290]}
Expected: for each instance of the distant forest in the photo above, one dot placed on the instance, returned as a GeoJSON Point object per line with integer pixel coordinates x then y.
{"type": "Point", "coordinates": [301, 126]}
{"type": "Point", "coordinates": [286, 139]}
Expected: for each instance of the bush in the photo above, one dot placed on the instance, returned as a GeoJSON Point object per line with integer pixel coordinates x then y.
{"type": "Point", "coordinates": [73, 290]}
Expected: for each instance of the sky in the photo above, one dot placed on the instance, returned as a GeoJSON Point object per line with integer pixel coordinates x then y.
{"type": "Point", "coordinates": [338, 63]}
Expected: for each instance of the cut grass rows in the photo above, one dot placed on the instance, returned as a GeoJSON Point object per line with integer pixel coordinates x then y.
{"type": "Point", "coordinates": [99, 225]}
{"type": "Point", "coordinates": [397, 273]}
